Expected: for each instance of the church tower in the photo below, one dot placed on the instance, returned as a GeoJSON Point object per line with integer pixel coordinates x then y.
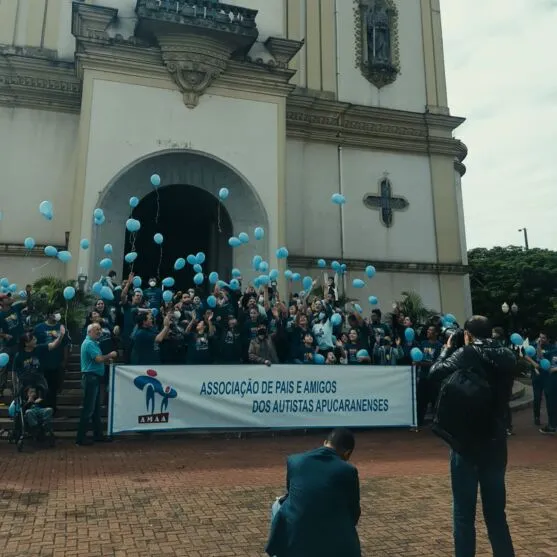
{"type": "Point", "coordinates": [283, 102]}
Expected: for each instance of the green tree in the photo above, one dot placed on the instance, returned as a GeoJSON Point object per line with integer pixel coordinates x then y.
{"type": "Point", "coordinates": [527, 278]}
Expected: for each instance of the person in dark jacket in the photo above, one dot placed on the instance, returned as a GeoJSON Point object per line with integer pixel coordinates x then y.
{"type": "Point", "coordinates": [484, 464]}
{"type": "Point", "coordinates": [319, 514]}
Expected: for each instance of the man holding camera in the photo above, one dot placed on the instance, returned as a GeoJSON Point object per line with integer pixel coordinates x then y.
{"type": "Point", "coordinates": [471, 419]}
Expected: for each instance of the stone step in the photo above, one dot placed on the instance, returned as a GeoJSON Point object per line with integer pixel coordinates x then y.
{"type": "Point", "coordinates": [65, 411]}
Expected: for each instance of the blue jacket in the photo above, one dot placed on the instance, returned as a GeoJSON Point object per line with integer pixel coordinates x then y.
{"type": "Point", "coordinates": [321, 511]}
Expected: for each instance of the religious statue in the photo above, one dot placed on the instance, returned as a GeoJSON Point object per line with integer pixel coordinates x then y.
{"type": "Point", "coordinates": [378, 34]}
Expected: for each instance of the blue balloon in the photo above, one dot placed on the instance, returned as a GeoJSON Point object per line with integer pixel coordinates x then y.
{"type": "Point", "coordinates": [108, 249]}
{"type": "Point", "coordinates": [335, 266]}
{"type": "Point", "coordinates": [234, 284]}
{"type": "Point", "coordinates": [263, 266]}
{"type": "Point", "coordinates": [22, 294]}
{"type": "Point", "coordinates": [358, 308]}
{"type": "Point", "coordinates": [338, 199]}
{"type": "Point", "coordinates": [96, 288]}
{"type": "Point", "coordinates": [318, 359]}
{"type": "Point", "coordinates": [4, 282]}
{"type": "Point", "coordinates": [200, 258]}
{"type": "Point", "coordinates": [517, 340]}
{"type": "Point", "coordinates": [450, 318]}
{"type": "Point", "coordinates": [50, 251]}
{"type": "Point", "coordinates": [362, 354]}
{"type": "Point", "coordinates": [212, 302]}
{"type": "Point", "coordinates": [192, 260]}
{"type": "Point", "coordinates": [321, 263]}
{"type": "Point", "coordinates": [296, 277]}
{"type": "Point", "coordinates": [130, 257]}
{"type": "Point", "coordinates": [133, 225]}
{"type": "Point", "coordinates": [98, 213]}
{"type": "Point", "coordinates": [223, 194]}
{"type": "Point", "coordinates": [100, 221]}
{"type": "Point", "coordinates": [274, 274]}
{"type": "Point", "coordinates": [29, 243]}
{"type": "Point", "coordinates": [222, 284]}
{"type": "Point", "coordinates": [49, 216]}
{"type": "Point", "coordinates": [168, 282]}
{"type": "Point", "coordinates": [69, 293]}
{"type": "Point", "coordinates": [545, 364]}
{"type": "Point", "coordinates": [373, 300]}
{"type": "Point", "coordinates": [84, 244]}
{"type": "Point", "coordinates": [167, 296]}
{"type": "Point", "coordinates": [179, 264]}
{"type": "Point", "coordinates": [416, 354]}
{"type": "Point", "coordinates": [213, 277]}
{"type": "Point", "coordinates": [256, 261]}
{"type": "Point", "coordinates": [336, 319]}
{"type": "Point", "coordinates": [530, 351]}
{"type": "Point", "coordinates": [358, 283]}
{"type": "Point", "coordinates": [198, 279]}
{"type": "Point", "coordinates": [263, 280]}
{"type": "Point", "coordinates": [198, 268]}
{"type": "Point", "coordinates": [155, 180]}
{"type": "Point", "coordinates": [409, 334]}
{"type": "Point", "coordinates": [106, 263]}
{"type": "Point", "coordinates": [259, 233]}
{"type": "Point", "coordinates": [45, 207]}
{"type": "Point", "coordinates": [134, 202]}
{"type": "Point", "coordinates": [4, 359]}
{"type": "Point", "coordinates": [136, 282]}
{"type": "Point", "coordinates": [243, 237]}
{"type": "Point", "coordinates": [107, 294]}
{"type": "Point", "coordinates": [64, 256]}
{"type": "Point", "coordinates": [370, 271]}
{"type": "Point", "coordinates": [13, 287]}
{"type": "Point", "coordinates": [288, 274]}
{"type": "Point", "coordinates": [154, 312]}
{"type": "Point", "coordinates": [234, 242]}
{"type": "Point", "coordinates": [343, 267]}
{"type": "Point", "coordinates": [282, 253]}
{"type": "Point", "coordinates": [158, 238]}
{"type": "Point", "coordinates": [236, 273]}
{"type": "Point", "coordinates": [307, 283]}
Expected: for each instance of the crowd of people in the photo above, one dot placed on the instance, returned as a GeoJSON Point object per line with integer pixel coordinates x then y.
{"type": "Point", "coordinates": [236, 326]}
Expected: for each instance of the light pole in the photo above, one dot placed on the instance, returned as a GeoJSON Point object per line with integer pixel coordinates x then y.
{"type": "Point", "coordinates": [513, 309]}
{"type": "Point", "coordinates": [525, 231]}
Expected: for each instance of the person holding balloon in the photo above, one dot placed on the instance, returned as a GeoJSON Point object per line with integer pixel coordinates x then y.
{"type": "Point", "coordinates": [147, 340]}
{"type": "Point", "coordinates": [130, 310]}
{"type": "Point", "coordinates": [153, 294]}
{"type": "Point", "coordinates": [200, 337]}
{"type": "Point", "coordinates": [55, 362]}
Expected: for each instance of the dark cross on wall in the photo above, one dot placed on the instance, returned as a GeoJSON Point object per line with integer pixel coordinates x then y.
{"type": "Point", "coordinates": [385, 202]}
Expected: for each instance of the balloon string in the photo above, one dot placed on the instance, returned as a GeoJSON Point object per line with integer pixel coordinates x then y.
{"type": "Point", "coordinates": [41, 266]}
{"type": "Point", "coordinates": [158, 207]}
{"type": "Point", "coordinates": [160, 263]}
{"type": "Point", "coordinates": [218, 218]}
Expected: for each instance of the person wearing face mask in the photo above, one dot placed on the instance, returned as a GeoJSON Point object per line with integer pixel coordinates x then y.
{"type": "Point", "coordinates": [262, 349]}
{"type": "Point", "coordinates": [173, 350]}
{"type": "Point", "coordinates": [200, 335]}
{"type": "Point", "coordinates": [153, 294]}
{"type": "Point", "coordinates": [55, 361]}
{"type": "Point", "coordinates": [323, 330]}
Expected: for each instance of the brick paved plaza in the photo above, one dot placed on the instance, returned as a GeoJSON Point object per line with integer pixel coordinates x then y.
{"type": "Point", "coordinates": [203, 498]}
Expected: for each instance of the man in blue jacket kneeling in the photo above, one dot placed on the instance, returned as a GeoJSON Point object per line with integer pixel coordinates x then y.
{"type": "Point", "coordinates": [318, 515]}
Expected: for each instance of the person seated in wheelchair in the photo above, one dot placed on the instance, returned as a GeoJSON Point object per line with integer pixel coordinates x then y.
{"type": "Point", "coordinates": [37, 416]}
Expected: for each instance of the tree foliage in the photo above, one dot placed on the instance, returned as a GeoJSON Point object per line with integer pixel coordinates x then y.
{"type": "Point", "coordinates": [514, 275]}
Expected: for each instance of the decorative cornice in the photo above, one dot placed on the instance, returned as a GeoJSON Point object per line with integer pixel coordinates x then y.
{"type": "Point", "coordinates": [283, 50]}
{"type": "Point", "coordinates": [307, 262]}
{"type": "Point", "coordinates": [37, 79]}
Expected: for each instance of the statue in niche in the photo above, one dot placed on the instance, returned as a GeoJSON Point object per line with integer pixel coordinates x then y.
{"type": "Point", "coordinates": [378, 34]}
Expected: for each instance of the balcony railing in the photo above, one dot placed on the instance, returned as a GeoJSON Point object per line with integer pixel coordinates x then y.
{"type": "Point", "coordinates": [208, 11]}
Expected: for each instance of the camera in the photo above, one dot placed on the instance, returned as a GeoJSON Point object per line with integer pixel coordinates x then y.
{"type": "Point", "coordinates": [458, 337]}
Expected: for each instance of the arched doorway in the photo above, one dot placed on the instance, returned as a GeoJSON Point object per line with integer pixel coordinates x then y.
{"type": "Point", "coordinates": [191, 220]}
{"type": "Point", "coordinates": [190, 182]}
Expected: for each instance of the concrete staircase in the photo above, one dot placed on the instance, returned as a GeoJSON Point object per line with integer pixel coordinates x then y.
{"type": "Point", "coordinates": [69, 402]}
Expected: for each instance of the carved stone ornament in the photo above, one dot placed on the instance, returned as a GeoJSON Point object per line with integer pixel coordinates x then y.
{"type": "Point", "coordinates": [197, 39]}
{"type": "Point", "coordinates": [377, 46]}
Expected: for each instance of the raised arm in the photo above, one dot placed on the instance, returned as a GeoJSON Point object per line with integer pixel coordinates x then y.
{"type": "Point", "coordinates": [56, 343]}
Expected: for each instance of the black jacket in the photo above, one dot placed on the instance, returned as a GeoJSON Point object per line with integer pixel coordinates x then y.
{"type": "Point", "coordinates": [499, 363]}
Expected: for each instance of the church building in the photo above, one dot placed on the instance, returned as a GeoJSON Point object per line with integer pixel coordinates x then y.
{"type": "Point", "coordinates": [282, 102]}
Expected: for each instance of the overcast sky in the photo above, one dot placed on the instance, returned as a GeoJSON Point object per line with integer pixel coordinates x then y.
{"type": "Point", "coordinates": [501, 61]}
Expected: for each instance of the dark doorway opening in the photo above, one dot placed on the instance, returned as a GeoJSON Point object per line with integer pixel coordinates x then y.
{"type": "Point", "coordinates": [191, 220]}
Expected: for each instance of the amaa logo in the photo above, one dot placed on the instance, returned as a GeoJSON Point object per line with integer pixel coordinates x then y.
{"type": "Point", "coordinates": [152, 387]}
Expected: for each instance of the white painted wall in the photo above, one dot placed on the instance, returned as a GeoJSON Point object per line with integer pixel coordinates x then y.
{"type": "Point", "coordinates": [314, 222]}
{"type": "Point", "coordinates": [408, 91]}
{"type": "Point", "coordinates": [130, 122]}
{"type": "Point", "coordinates": [26, 270]}
{"type": "Point", "coordinates": [37, 162]}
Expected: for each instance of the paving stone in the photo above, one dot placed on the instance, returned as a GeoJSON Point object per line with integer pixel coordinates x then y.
{"type": "Point", "coordinates": [211, 497]}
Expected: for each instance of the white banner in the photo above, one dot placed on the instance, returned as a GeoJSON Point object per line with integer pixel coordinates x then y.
{"type": "Point", "coordinates": [246, 397]}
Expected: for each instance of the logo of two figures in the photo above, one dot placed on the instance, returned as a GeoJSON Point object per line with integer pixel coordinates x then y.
{"type": "Point", "coordinates": [152, 386]}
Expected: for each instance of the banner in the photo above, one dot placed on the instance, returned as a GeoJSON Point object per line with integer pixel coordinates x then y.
{"type": "Point", "coordinates": [250, 396]}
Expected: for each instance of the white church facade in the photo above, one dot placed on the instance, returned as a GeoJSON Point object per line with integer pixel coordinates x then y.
{"type": "Point", "coordinates": [284, 102]}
